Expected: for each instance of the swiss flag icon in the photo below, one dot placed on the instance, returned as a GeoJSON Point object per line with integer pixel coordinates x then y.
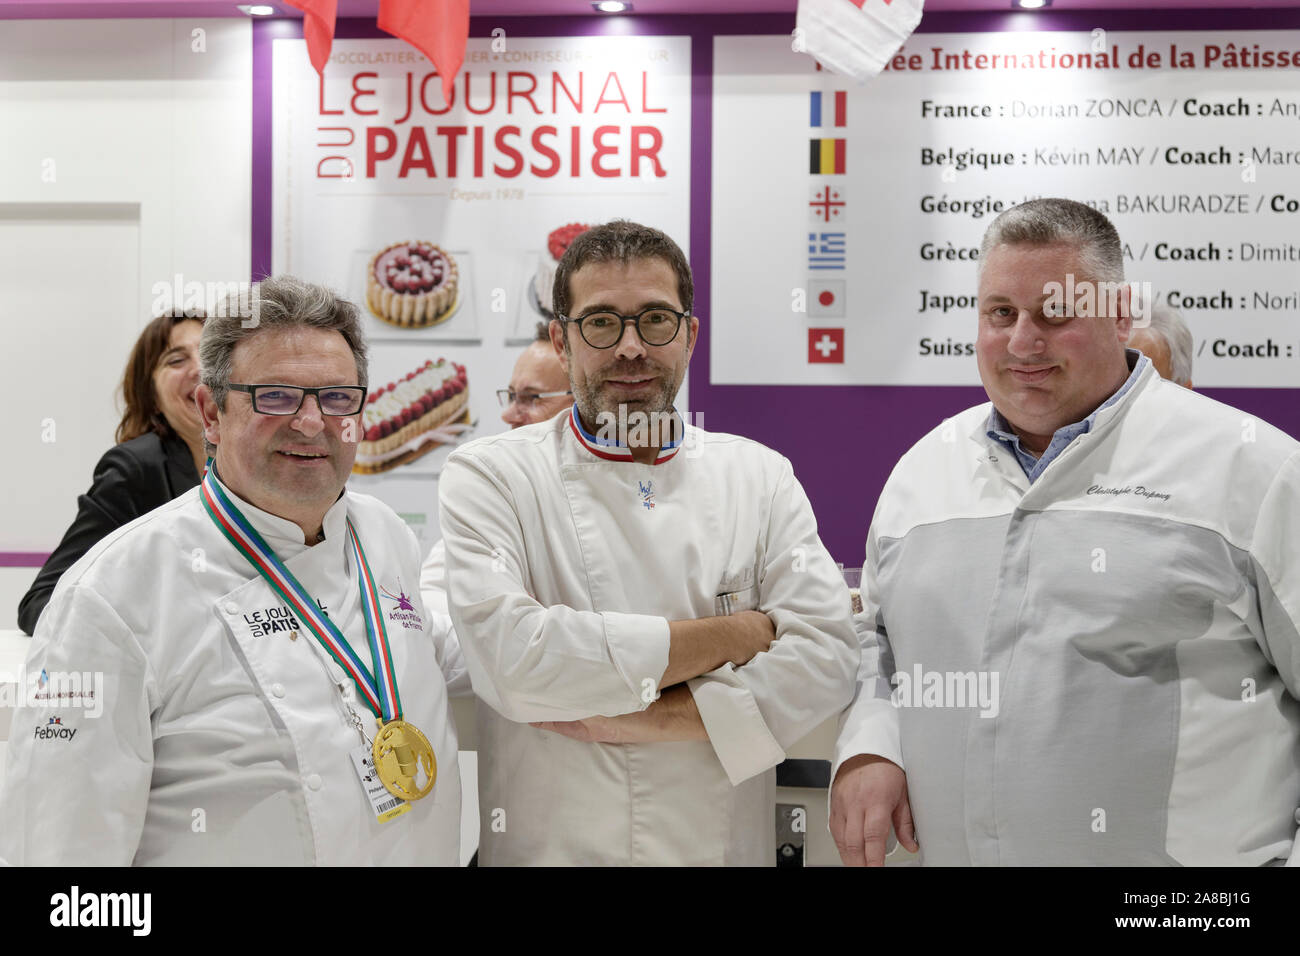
{"type": "Point", "coordinates": [826, 346]}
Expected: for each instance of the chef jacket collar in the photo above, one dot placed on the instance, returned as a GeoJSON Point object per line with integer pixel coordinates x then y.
{"type": "Point", "coordinates": [612, 450]}
{"type": "Point", "coordinates": [283, 535]}
{"type": "Point", "coordinates": [999, 430]}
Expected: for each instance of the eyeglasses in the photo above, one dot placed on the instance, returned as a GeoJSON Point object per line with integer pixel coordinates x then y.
{"type": "Point", "coordinates": [603, 330]}
{"type": "Point", "coordinates": [508, 397]}
{"type": "Point", "coordinates": [287, 399]}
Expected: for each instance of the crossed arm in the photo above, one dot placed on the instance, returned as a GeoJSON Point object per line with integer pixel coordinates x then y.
{"type": "Point", "coordinates": [694, 648]}
{"type": "Point", "coordinates": [561, 668]}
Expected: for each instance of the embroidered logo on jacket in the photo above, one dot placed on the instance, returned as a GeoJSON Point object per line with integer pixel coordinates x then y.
{"type": "Point", "coordinates": [79, 689]}
{"type": "Point", "coordinates": [54, 730]}
{"type": "Point", "coordinates": [272, 620]}
{"type": "Point", "coordinates": [404, 613]}
{"type": "Point", "coordinates": [647, 491]}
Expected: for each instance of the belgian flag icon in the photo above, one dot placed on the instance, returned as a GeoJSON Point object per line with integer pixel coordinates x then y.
{"type": "Point", "coordinates": [826, 157]}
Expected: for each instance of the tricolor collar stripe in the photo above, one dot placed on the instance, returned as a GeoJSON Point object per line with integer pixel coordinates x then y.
{"type": "Point", "coordinates": [591, 439]}
{"type": "Point", "coordinates": [621, 454]}
{"type": "Point", "coordinates": [612, 450]}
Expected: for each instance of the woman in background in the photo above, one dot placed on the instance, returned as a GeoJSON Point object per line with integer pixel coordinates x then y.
{"type": "Point", "coordinates": [159, 455]}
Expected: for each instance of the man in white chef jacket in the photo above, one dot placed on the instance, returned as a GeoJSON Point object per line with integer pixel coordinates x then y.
{"type": "Point", "coordinates": [219, 730]}
{"type": "Point", "coordinates": [649, 617]}
{"type": "Point", "coordinates": [1081, 624]}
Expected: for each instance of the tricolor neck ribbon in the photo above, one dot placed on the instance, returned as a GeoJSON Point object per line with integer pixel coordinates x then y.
{"type": "Point", "coordinates": [612, 450]}
{"type": "Point", "coordinates": [380, 691]}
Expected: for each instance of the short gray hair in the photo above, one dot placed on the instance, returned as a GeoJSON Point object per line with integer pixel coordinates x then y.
{"type": "Point", "coordinates": [1169, 325]}
{"type": "Point", "coordinates": [1042, 222]}
{"type": "Point", "coordinates": [275, 303]}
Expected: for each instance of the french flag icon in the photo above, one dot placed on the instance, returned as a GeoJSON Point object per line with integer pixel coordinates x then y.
{"type": "Point", "coordinates": [827, 109]}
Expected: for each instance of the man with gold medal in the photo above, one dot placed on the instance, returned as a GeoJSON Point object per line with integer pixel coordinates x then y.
{"type": "Point", "coordinates": [242, 631]}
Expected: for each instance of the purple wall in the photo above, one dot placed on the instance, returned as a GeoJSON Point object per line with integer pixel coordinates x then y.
{"type": "Point", "coordinates": [843, 477]}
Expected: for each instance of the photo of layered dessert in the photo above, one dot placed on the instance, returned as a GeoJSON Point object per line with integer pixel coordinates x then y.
{"type": "Point", "coordinates": [406, 419]}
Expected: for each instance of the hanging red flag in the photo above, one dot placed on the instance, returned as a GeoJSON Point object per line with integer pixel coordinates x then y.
{"type": "Point", "coordinates": [317, 29]}
{"type": "Point", "coordinates": [437, 28]}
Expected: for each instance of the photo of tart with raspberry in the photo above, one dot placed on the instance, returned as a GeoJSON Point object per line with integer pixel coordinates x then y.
{"type": "Point", "coordinates": [412, 284]}
{"type": "Point", "coordinates": [544, 279]}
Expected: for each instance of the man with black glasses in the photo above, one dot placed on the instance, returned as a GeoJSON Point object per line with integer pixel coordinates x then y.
{"type": "Point", "coordinates": [648, 615]}
{"type": "Point", "coordinates": [256, 685]}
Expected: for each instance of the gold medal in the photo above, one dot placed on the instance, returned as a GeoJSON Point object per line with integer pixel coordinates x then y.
{"type": "Point", "coordinates": [401, 752]}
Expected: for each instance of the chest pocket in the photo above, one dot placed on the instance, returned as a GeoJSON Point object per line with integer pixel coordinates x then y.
{"type": "Point", "coordinates": [736, 593]}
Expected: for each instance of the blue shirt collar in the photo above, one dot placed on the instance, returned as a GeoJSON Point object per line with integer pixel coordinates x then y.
{"type": "Point", "coordinates": [1000, 430]}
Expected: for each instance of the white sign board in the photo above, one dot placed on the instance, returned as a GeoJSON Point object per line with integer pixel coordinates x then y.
{"type": "Point", "coordinates": [847, 219]}
{"type": "Point", "coordinates": [540, 134]}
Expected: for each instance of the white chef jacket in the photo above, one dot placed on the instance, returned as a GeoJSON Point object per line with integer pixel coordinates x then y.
{"type": "Point", "coordinates": [224, 737]}
{"type": "Point", "coordinates": [433, 588]}
{"type": "Point", "coordinates": [564, 570]}
{"type": "Point", "coordinates": [1139, 605]}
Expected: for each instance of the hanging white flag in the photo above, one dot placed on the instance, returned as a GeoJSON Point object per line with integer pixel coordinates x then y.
{"type": "Point", "coordinates": [855, 37]}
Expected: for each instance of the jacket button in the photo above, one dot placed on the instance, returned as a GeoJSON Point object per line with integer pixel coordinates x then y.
{"type": "Point", "coordinates": [232, 607]}
{"type": "Point", "coordinates": [313, 781]}
{"type": "Point", "coordinates": [277, 690]}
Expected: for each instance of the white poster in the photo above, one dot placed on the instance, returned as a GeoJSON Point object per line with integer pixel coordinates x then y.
{"type": "Point", "coordinates": [442, 222]}
{"type": "Point", "coordinates": [847, 219]}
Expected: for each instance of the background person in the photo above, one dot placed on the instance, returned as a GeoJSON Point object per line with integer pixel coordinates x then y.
{"type": "Point", "coordinates": [159, 455]}
{"type": "Point", "coordinates": [1167, 342]}
{"type": "Point", "coordinates": [539, 386]}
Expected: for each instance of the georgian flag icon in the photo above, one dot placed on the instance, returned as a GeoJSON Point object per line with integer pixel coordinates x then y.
{"type": "Point", "coordinates": [826, 298]}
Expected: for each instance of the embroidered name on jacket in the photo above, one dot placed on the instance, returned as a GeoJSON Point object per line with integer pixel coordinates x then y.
{"type": "Point", "coordinates": [647, 492]}
{"type": "Point", "coordinates": [1140, 491]}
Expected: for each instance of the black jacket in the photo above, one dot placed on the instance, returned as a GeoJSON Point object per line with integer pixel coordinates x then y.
{"type": "Point", "coordinates": [131, 479]}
